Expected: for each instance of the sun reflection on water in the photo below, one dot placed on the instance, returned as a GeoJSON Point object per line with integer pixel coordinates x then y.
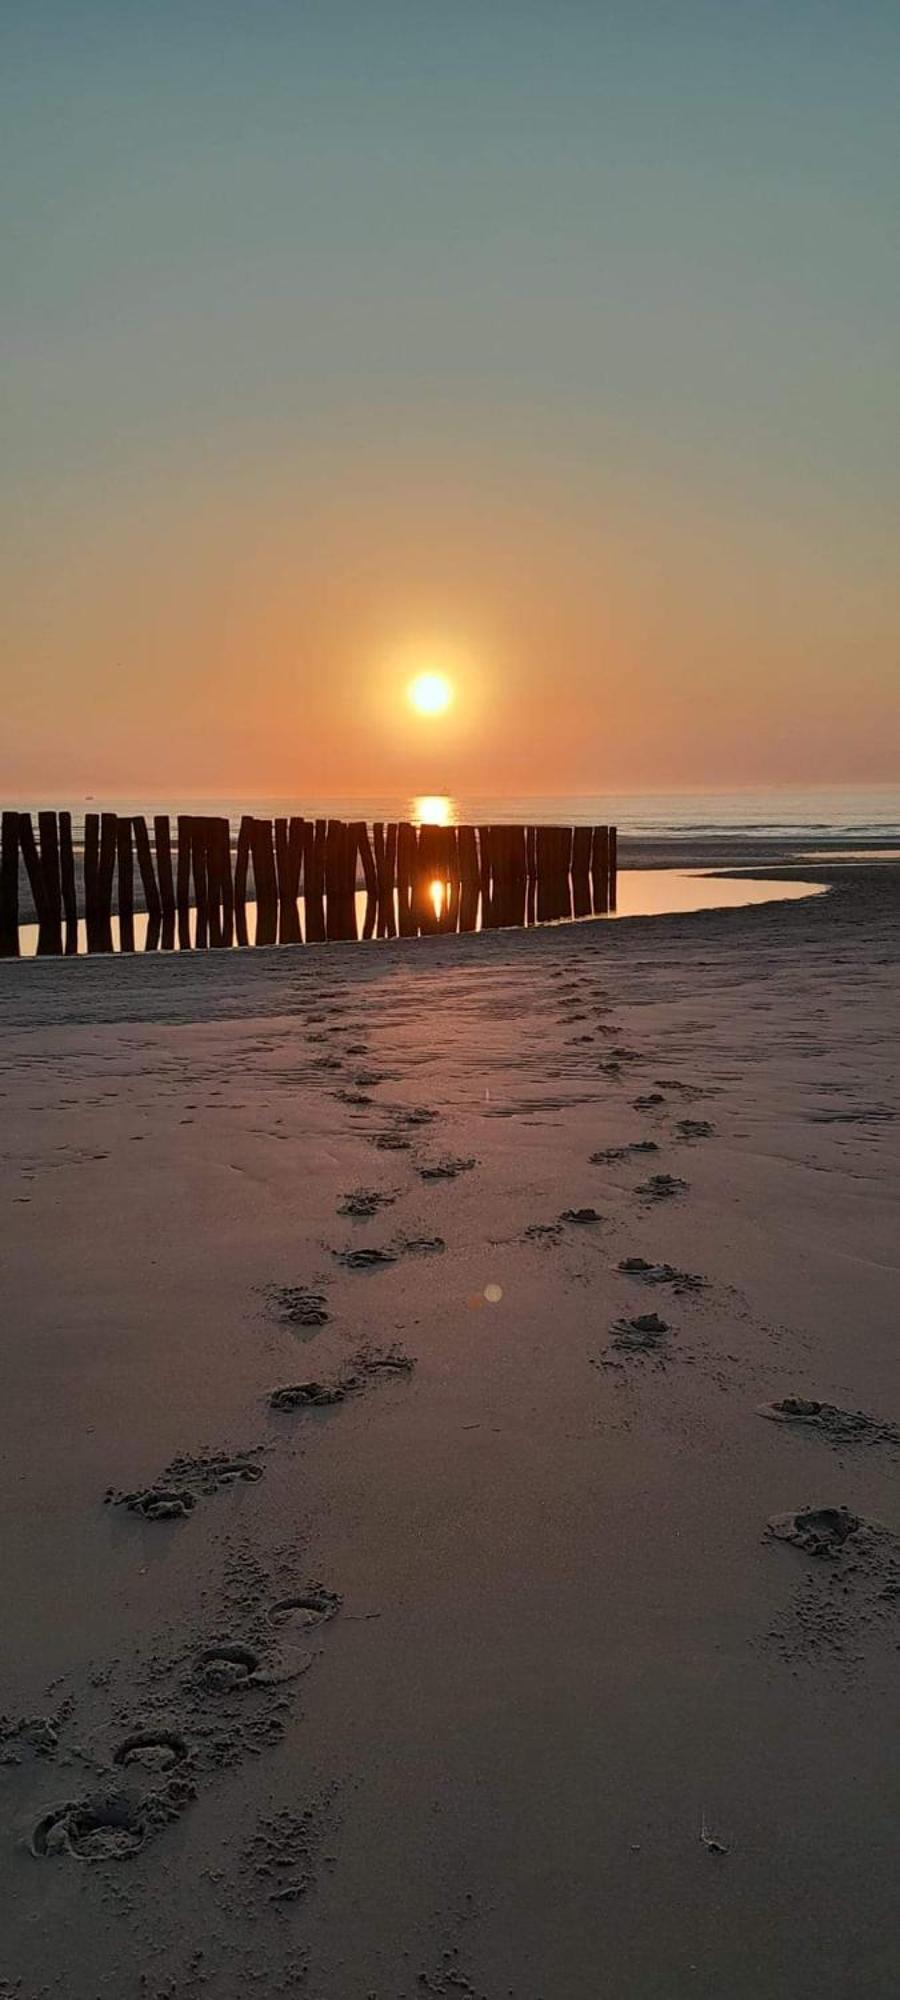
{"type": "Point", "coordinates": [433, 809]}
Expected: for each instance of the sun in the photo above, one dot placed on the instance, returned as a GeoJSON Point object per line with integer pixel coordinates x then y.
{"type": "Point", "coordinates": [430, 694]}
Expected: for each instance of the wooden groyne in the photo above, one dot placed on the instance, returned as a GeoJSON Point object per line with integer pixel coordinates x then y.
{"type": "Point", "coordinates": [309, 877]}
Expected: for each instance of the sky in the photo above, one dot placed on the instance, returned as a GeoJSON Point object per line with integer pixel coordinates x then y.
{"type": "Point", "coordinates": [551, 346]}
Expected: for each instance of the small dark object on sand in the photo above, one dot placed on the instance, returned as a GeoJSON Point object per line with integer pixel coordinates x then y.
{"type": "Point", "coordinates": [580, 1215]}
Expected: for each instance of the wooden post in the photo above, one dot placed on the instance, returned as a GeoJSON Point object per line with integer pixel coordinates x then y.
{"type": "Point", "coordinates": [530, 874]}
{"type": "Point", "coordinates": [452, 878]}
{"type": "Point", "coordinates": [370, 876]}
{"type": "Point", "coordinates": [385, 839]}
{"type": "Point", "coordinates": [241, 863]}
{"type": "Point", "coordinates": [226, 879]}
{"type": "Point", "coordinates": [50, 942]}
{"type": "Point", "coordinates": [162, 837]}
{"type": "Point", "coordinates": [34, 872]}
{"type": "Point", "coordinates": [288, 861]}
{"type": "Point", "coordinates": [69, 890]}
{"type": "Point", "coordinates": [266, 882]}
{"type": "Point", "coordinates": [201, 882]}
{"type": "Point", "coordinates": [470, 877]}
{"type": "Point", "coordinates": [407, 857]}
{"type": "Point", "coordinates": [183, 882]}
{"type": "Point", "coordinates": [613, 833]}
{"type": "Point", "coordinates": [213, 858]}
{"type": "Point", "coordinates": [147, 873]}
{"type": "Point", "coordinates": [126, 885]}
{"type": "Point", "coordinates": [314, 833]}
{"type": "Point", "coordinates": [581, 870]}
{"type": "Point", "coordinates": [91, 878]}
{"type": "Point", "coordinates": [486, 873]}
{"type": "Point", "coordinates": [106, 868]}
{"type": "Point", "coordinates": [9, 885]}
{"type": "Point", "coordinates": [600, 870]}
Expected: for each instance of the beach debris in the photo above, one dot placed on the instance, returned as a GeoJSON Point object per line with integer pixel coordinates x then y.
{"type": "Point", "coordinates": [661, 1187]}
{"type": "Point", "coordinates": [818, 1531]}
{"type": "Point", "coordinates": [581, 1215]}
{"type": "Point", "coordinates": [661, 1274]}
{"type": "Point", "coordinates": [298, 1307]}
{"type": "Point", "coordinates": [709, 1840]}
{"type": "Point", "coordinates": [446, 1168]}
{"type": "Point", "coordinates": [837, 1426]}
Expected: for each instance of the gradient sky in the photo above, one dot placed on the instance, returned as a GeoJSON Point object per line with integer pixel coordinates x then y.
{"type": "Point", "coordinates": [556, 343]}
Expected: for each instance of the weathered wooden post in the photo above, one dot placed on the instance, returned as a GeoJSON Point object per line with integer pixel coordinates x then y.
{"type": "Point", "coordinates": [106, 867]}
{"type": "Point", "coordinates": [314, 834]}
{"type": "Point", "coordinates": [241, 865]}
{"type": "Point", "coordinates": [91, 865]}
{"type": "Point", "coordinates": [69, 889]}
{"type": "Point", "coordinates": [407, 859]}
{"type": "Point", "coordinates": [126, 885]}
{"type": "Point", "coordinates": [226, 879]}
{"type": "Point", "coordinates": [370, 876]}
{"type": "Point", "coordinates": [148, 881]}
{"type": "Point", "coordinates": [385, 839]}
{"type": "Point", "coordinates": [288, 862]}
{"type": "Point", "coordinates": [530, 875]}
{"type": "Point", "coordinates": [470, 877]}
{"type": "Point", "coordinates": [183, 882]}
{"type": "Point", "coordinates": [582, 841]}
{"type": "Point", "coordinates": [50, 935]}
{"type": "Point", "coordinates": [201, 883]}
{"type": "Point", "coordinates": [213, 857]}
{"type": "Point", "coordinates": [9, 885]}
{"type": "Point", "coordinates": [600, 870]}
{"type": "Point", "coordinates": [266, 882]}
{"type": "Point", "coordinates": [162, 840]}
{"type": "Point", "coordinates": [613, 866]}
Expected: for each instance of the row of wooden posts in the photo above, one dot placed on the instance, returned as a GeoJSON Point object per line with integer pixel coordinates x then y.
{"type": "Point", "coordinates": [417, 879]}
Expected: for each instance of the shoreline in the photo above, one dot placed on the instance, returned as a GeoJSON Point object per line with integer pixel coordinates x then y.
{"type": "Point", "coordinates": [568, 1665]}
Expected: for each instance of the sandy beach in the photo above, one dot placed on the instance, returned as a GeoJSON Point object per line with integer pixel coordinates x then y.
{"type": "Point", "coordinates": [523, 1646]}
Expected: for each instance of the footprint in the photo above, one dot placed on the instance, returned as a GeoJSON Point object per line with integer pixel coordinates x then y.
{"type": "Point", "coordinates": [422, 1246]}
{"type": "Point", "coordinates": [836, 1426]}
{"type": "Point", "coordinates": [224, 1667]}
{"type": "Point", "coordinates": [296, 1307]}
{"type": "Point", "coordinates": [307, 1395]}
{"type": "Point", "coordinates": [304, 1611]}
{"type": "Point", "coordinates": [543, 1232]}
{"type": "Point", "coordinates": [175, 1494]}
{"type": "Point", "coordinates": [109, 1827]}
{"type": "Point", "coordinates": [611, 1153]}
{"type": "Point", "coordinates": [446, 1169]}
{"type": "Point", "coordinates": [580, 1215]}
{"type": "Point", "coordinates": [661, 1187]}
{"type": "Point", "coordinates": [370, 1360]}
{"type": "Point", "coordinates": [662, 1274]}
{"type": "Point", "coordinates": [649, 1101]}
{"type": "Point", "coordinates": [365, 1260]}
{"type": "Point", "coordinates": [364, 1202]}
{"type": "Point", "coordinates": [154, 1749]}
{"type": "Point", "coordinates": [156, 1503]}
{"type": "Point", "coordinates": [643, 1335]}
{"type": "Point", "coordinates": [818, 1531]}
{"type": "Point", "coordinates": [390, 1142]}
{"type": "Point", "coordinates": [694, 1128]}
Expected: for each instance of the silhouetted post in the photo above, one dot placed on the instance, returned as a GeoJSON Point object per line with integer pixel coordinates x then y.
{"type": "Point", "coordinates": [162, 838]}
{"type": "Point", "coordinates": [582, 842]}
{"type": "Point", "coordinates": [530, 875]}
{"type": "Point", "coordinates": [222, 836]}
{"type": "Point", "coordinates": [105, 871]}
{"type": "Point", "coordinates": [126, 885]}
{"type": "Point", "coordinates": [452, 877]}
{"type": "Point", "coordinates": [349, 851]}
{"type": "Point", "coordinates": [33, 871]}
{"type": "Point", "coordinates": [91, 878]}
{"type": "Point", "coordinates": [600, 870]}
{"type": "Point", "coordinates": [407, 860]}
{"type": "Point", "coordinates": [241, 863]}
{"type": "Point", "coordinates": [385, 839]}
{"type": "Point", "coordinates": [147, 874]}
{"type": "Point", "coordinates": [470, 877]}
{"type": "Point", "coordinates": [69, 890]}
{"type": "Point", "coordinates": [9, 885]}
{"type": "Point", "coordinates": [370, 876]}
{"type": "Point", "coordinates": [613, 866]}
{"type": "Point", "coordinates": [183, 882]}
{"type": "Point", "coordinates": [50, 937]}
{"type": "Point", "coordinates": [486, 870]}
{"type": "Point", "coordinates": [314, 832]}
{"type": "Point", "coordinates": [288, 861]}
{"type": "Point", "coordinates": [266, 882]}
{"type": "Point", "coordinates": [201, 882]}
{"type": "Point", "coordinates": [425, 874]}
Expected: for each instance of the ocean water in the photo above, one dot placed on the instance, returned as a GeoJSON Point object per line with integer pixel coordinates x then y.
{"type": "Point", "coordinates": [834, 814]}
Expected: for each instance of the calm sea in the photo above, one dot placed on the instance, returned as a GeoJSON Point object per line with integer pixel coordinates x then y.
{"type": "Point", "coordinates": [870, 813]}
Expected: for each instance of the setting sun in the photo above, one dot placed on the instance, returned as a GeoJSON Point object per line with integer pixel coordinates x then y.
{"type": "Point", "coordinates": [430, 694]}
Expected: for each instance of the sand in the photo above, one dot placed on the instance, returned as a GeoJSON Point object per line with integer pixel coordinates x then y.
{"type": "Point", "coordinates": [544, 1647]}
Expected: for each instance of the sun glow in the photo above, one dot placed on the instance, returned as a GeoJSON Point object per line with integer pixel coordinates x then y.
{"type": "Point", "coordinates": [432, 809]}
{"type": "Point", "coordinates": [430, 694]}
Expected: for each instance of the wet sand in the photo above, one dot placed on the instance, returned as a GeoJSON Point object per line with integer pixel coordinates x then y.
{"type": "Point", "coordinates": [450, 1487]}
